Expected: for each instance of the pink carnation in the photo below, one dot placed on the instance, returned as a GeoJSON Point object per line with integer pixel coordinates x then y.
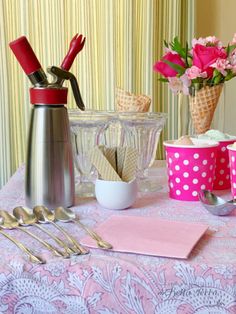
{"type": "Point", "coordinates": [222, 65]}
{"type": "Point", "coordinates": [199, 41]}
{"type": "Point", "coordinates": [213, 40]}
{"type": "Point", "coordinates": [195, 72]}
{"type": "Point", "coordinates": [210, 40]}
{"type": "Point", "coordinates": [232, 57]}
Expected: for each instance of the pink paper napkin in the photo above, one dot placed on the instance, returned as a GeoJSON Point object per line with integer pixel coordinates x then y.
{"type": "Point", "coordinates": [149, 236]}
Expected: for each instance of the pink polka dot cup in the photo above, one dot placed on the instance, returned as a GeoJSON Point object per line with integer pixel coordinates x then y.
{"type": "Point", "coordinates": [222, 172]}
{"type": "Point", "coordinates": [232, 163]}
{"type": "Point", "coordinates": [191, 168]}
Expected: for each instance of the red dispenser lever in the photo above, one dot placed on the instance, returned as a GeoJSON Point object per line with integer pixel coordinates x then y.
{"type": "Point", "coordinates": [28, 61]}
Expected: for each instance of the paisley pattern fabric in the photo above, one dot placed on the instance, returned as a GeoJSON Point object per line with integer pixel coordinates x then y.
{"type": "Point", "coordinates": [113, 283]}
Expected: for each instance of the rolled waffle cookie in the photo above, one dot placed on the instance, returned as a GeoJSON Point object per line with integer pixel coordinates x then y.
{"type": "Point", "coordinates": [104, 168]}
{"type": "Point", "coordinates": [130, 163]}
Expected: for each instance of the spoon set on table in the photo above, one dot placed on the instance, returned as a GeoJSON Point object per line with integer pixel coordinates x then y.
{"type": "Point", "coordinates": [23, 217]}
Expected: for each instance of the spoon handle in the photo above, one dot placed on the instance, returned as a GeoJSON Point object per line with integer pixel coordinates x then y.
{"type": "Point", "coordinates": [44, 243]}
{"type": "Point", "coordinates": [100, 242]}
{"type": "Point", "coordinates": [33, 258]}
{"type": "Point", "coordinates": [68, 250]}
{"type": "Point", "coordinates": [70, 238]}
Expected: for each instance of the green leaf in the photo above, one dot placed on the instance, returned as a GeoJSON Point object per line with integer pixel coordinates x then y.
{"type": "Point", "coordinates": [229, 76]}
{"type": "Point", "coordinates": [166, 44]}
{"type": "Point", "coordinates": [176, 46]}
{"type": "Point", "coordinates": [161, 79]}
{"type": "Point", "coordinates": [186, 54]}
{"type": "Point", "coordinates": [216, 73]}
{"type": "Point", "coordinates": [229, 49]}
{"type": "Point", "coordinates": [178, 68]}
{"type": "Point", "coordinates": [217, 79]}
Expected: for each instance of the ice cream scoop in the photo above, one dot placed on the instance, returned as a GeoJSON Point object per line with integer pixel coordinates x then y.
{"type": "Point", "coordinates": [184, 140]}
{"type": "Point", "coordinates": [216, 135]}
{"type": "Point", "coordinates": [215, 204]}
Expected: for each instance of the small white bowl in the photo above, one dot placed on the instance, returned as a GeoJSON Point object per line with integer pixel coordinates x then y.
{"type": "Point", "coordinates": [116, 194]}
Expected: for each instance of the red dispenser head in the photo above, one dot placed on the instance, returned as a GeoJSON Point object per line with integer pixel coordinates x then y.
{"type": "Point", "coordinates": [28, 61]}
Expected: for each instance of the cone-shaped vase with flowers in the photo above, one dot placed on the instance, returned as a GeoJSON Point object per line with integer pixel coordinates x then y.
{"type": "Point", "coordinates": [200, 72]}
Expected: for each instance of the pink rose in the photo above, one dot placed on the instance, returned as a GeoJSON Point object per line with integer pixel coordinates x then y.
{"type": "Point", "coordinates": [164, 68]}
{"type": "Point", "coordinates": [204, 57]}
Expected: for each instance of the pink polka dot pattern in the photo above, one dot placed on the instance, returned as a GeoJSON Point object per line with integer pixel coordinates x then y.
{"type": "Point", "coordinates": [232, 163]}
{"type": "Point", "coordinates": [222, 179]}
{"type": "Point", "coordinates": [192, 171]}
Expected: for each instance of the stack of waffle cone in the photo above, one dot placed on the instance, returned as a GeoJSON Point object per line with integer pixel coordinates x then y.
{"type": "Point", "coordinates": [203, 105]}
{"type": "Point", "coordinates": [126, 101]}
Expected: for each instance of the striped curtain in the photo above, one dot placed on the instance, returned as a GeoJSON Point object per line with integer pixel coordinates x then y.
{"type": "Point", "coordinates": [124, 39]}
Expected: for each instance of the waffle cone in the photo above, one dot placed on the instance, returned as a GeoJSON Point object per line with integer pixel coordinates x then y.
{"type": "Point", "coordinates": [203, 105]}
{"type": "Point", "coordinates": [126, 101]}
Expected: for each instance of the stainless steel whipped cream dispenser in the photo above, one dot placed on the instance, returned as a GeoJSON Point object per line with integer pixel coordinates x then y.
{"type": "Point", "coordinates": [49, 178]}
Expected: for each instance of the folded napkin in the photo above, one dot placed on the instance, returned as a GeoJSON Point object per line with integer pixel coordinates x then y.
{"type": "Point", "coordinates": [149, 236]}
{"type": "Point", "coordinates": [126, 101]}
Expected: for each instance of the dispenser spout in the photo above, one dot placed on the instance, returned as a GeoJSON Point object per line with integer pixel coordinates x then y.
{"type": "Point", "coordinates": [59, 73]}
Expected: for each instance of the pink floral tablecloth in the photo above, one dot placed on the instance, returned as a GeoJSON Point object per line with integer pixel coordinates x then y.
{"type": "Point", "coordinates": [111, 282]}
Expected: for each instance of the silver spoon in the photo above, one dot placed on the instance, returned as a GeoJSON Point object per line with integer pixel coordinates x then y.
{"type": "Point", "coordinates": [215, 204]}
{"type": "Point", "coordinates": [27, 218]}
{"type": "Point", "coordinates": [10, 222]}
{"type": "Point", "coordinates": [33, 258]}
{"type": "Point", "coordinates": [44, 215]}
{"type": "Point", "coordinates": [67, 215]}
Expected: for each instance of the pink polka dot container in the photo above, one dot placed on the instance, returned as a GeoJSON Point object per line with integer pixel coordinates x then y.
{"type": "Point", "coordinates": [222, 172]}
{"type": "Point", "coordinates": [191, 168]}
{"type": "Point", "coordinates": [232, 163]}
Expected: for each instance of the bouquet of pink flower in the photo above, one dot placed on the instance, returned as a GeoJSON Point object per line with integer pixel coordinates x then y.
{"type": "Point", "coordinates": [207, 62]}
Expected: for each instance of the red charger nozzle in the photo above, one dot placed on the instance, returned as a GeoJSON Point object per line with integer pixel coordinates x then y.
{"type": "Point", "coordinates": [25, 55]}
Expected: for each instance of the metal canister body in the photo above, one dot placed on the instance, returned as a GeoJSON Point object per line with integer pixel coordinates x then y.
{"type": "Point", "coordinates": [49, 164]}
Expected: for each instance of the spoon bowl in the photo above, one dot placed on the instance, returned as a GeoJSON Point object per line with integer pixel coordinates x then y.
{"type": "Point", "coordinates": [67, 215]}
{"type": "Point", "coordinates": [8, 220]}
{"type": "Point", "coordinates": [44, 215]}
{"type": "Point", "coordinates": [26, 217]}
{"type": "Point", "coordinates": [215, 204]}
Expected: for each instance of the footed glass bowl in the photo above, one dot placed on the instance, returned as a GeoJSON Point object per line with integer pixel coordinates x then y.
{"type": "Point", "coordinates": [87, 130]}
{"type": "Point", "coordinates": [142, 131]}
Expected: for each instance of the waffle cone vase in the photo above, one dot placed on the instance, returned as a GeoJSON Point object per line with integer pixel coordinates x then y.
{"type": "Point", "coordinates": [202, 106]}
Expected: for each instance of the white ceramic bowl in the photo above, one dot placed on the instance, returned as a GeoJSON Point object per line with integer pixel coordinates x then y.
{"type": "Point", "coordinates": [116, 194]}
